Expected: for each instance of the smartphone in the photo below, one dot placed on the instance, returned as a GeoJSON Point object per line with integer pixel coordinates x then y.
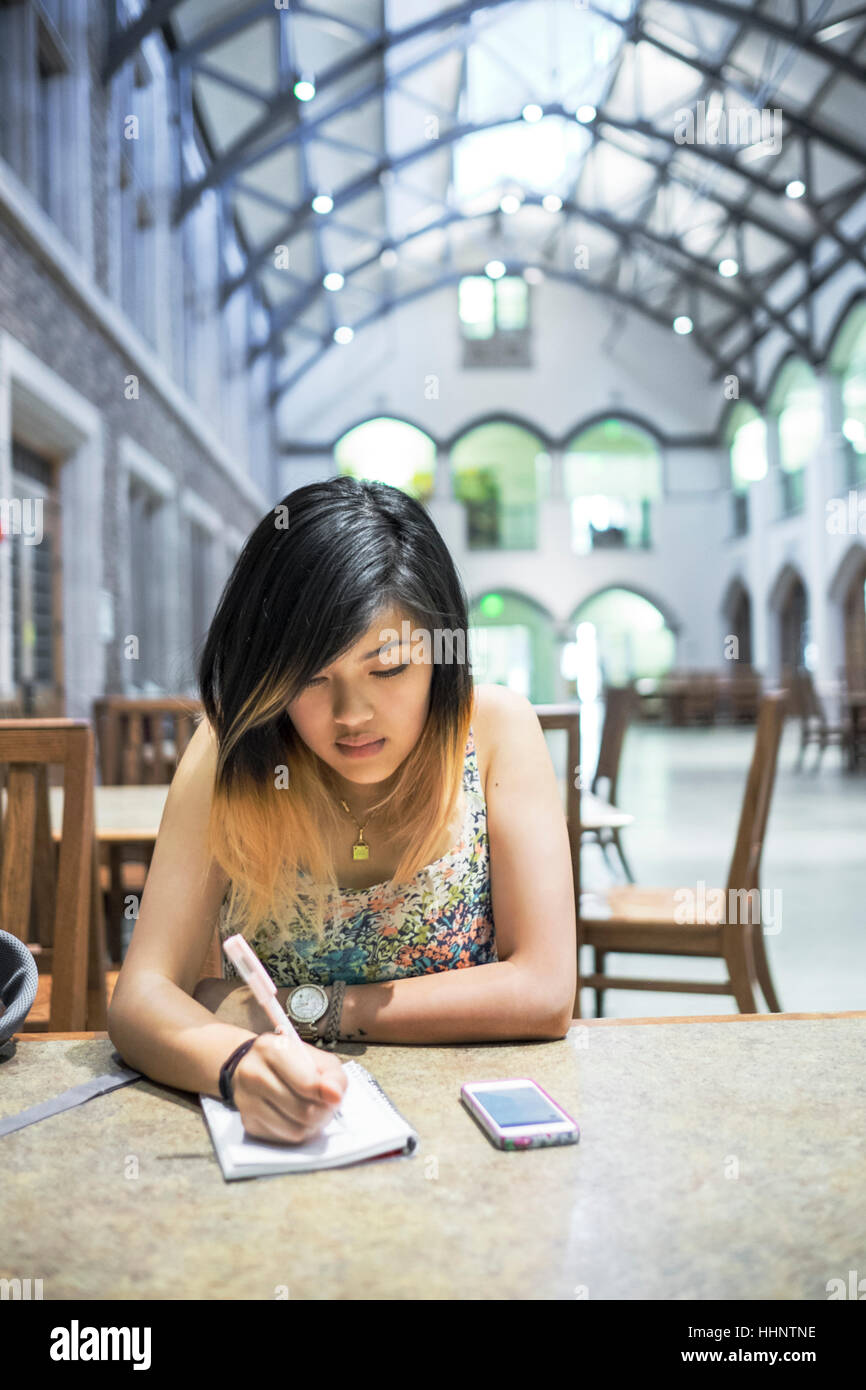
{"type": "Point", "coordinates": [518, 1113]}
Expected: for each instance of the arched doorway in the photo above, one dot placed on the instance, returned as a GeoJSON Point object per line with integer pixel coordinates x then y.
{"type": "Point", "coordinates": [621, 636]}
{"type": "Point", "coordinates": [848, 595]}
{"type": "Point", "coordinates": [513, 643]}
{"type": "Point", "coordinates": [737, 614]}
{"type": "Point", "coordinates": [790, 603]}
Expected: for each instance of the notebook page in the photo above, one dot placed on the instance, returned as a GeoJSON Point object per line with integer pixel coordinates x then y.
{"type": "Point", "coordinates": [361, 1126]}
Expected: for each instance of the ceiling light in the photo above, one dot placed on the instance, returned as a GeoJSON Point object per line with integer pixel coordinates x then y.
{"type": "Point", "coordinates": [494, 270]}
{"type": "Point", "coordinates": [532, 113]}
{"type": "Point", "coordinates": [333, 280]}
{"type": "Point", "coordinates": [585, 114]}
{"type": "Point", "coordinates": [323, 202]}
{"type": "Point", "coordinates": [551, 202]}
{"type": "Point", "coordinates": [344, 334]}
{"type": "Point", "coordinates": [305, 89]}
{"type": "Point", "coordinates": [835, 31]}
{"type": "Point", "coordinates": [728, 267]}
{"type": "Point", "coordinates": [509, 202]}
{"type": "Point", "coordinates": [796, 188]}
{"type": "Point", "coordinates": [683, 324]}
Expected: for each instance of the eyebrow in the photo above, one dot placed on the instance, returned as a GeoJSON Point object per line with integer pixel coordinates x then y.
{"type": "Point", "coordinates": [377, 651]}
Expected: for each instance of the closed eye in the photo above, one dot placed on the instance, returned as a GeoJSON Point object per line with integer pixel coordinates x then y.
{"type": "Point", "coordinates": [385, 675]}
{"type": "Point", "coordinates": [380, 675]}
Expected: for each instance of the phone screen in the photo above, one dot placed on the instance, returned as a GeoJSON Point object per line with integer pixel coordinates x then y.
{"type": "Point", "coordinates": [518, 1105]}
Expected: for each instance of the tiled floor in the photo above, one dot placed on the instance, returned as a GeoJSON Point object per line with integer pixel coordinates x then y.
{"type": "Point", "coordinates": [685, 787]}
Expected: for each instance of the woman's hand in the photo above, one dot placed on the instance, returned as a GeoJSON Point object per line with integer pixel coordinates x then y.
{"type": "Point", "coordinates": [287, 1090]}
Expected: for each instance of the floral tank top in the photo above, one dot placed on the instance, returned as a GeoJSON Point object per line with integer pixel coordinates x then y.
{"type": "Point", "coordinates": [441, 920]}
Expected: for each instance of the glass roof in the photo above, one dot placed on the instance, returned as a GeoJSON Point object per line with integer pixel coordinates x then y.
{"type": "Point", "coordinates": [666, 139]}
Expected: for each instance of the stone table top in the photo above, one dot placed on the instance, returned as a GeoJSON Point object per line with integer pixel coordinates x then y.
{"type": "Point", "coordinates": [717, 1159]}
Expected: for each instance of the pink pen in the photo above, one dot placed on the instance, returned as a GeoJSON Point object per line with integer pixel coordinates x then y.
{"type": "Point", "coordinates": [256, 977]}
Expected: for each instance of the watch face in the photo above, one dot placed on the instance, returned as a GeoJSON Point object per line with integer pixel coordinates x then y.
{"type": "Point", "coordinates": [309, 1002]}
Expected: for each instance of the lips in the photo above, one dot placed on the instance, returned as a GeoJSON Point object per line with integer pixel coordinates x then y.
{"type": "Point", "coordinates": [359, 743]}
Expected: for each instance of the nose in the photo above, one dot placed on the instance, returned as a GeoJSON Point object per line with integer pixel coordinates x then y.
{"type": "Point", "coordinates": [351, 710]}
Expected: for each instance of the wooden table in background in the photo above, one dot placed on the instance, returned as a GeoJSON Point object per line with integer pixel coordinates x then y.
{"type": "Point", "coordinates": [598, 814]}
{"type": "Point", "coordinates": [127, 814]}
{"type": "Point", "coordinates": [122, 815]}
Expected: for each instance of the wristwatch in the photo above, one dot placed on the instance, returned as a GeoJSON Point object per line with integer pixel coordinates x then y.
{"type": "Point", "coordinates": [305, 1006]}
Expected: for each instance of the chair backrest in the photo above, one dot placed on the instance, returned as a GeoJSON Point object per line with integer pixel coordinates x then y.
{"type": "Point", "coordinates": [619, 709]}
{"type": "Point", "coordinates": [567, 717]}
{"type": "Point", "coordinates": [45, 896]}
{"type": "Point", "coordinates": [702, 695]}
{"type": "Point", "coordinates": [804, 702]}
{"type": "Point", "coordinates": [743, 690]}
{"type": "Point", "coordinates": [746, 860]}
{"type": "Point", "coordinates": [141, 740]}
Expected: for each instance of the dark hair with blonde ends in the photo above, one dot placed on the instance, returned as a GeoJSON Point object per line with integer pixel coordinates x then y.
{"type": "Point", "coordinates": [310, 580]}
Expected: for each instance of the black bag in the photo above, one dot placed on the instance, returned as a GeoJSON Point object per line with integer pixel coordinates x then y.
{"type": "Point", "coordinates": [19, 979]}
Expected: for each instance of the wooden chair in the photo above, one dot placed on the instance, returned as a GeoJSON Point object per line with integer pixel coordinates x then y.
{"type": "Point", "coordinates": [808, 707]}
{"type": "Point", "coordinates": [702, 697]}
{"type": "Point", "coordinates": [619, 708]}
{"type": "Point", "coordinates": [567, 717]}
{"type": "Point", "coordinates": [646, 921]}
{"type": "Point", "coordinates": [140, 740]}
{"type": "Point", "coordinates": [743, 694]}
{"type": "Point", "coordinates": [49, 895]}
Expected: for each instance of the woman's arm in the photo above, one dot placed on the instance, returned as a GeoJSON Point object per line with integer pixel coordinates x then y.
{"type": "Point", "coordinates": [472, 1004]}
{"type": "Point", "coordinates": [153, 1020]}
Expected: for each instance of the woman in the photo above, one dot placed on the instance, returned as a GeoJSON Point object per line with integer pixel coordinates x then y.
{"type": "Point", "coordinates": [366, 880]}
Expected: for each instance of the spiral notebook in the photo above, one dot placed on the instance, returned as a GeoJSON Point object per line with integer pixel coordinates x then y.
{"type": "Point", "coordinates": [365, 1125]}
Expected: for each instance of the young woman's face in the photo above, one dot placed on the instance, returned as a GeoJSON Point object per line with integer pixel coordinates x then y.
{"type": "Point", "coordinates": [376, 694]}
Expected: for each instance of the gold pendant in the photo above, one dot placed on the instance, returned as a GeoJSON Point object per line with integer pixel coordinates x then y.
{"type": "Point", "coordinates": [360, 850]}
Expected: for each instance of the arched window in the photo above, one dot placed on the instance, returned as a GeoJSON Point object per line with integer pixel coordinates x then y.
{"type": "Point", "coordinates": [849, 362]}
{"type": "Point", "coordinates": [621, 636]}
{"type": "Point", "coordinates": [500, 473]}
{"type": "Point", "coordinates": [512, 642]}
{"type": "Point", "coordinates": [389, 451]}
{"type": "Point", "coordinates": [612, 475]}
{"type": "Point", "coordinates": [796, 407]}
{"type": "Point", "coordinates": [746, 438]}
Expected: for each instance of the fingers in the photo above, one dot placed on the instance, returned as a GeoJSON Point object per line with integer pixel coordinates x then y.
{"type": "Point", "coordinates": [309, 1073]}
{"type": "Point", "coordinates": [265, 1120]}
{"type": "Point", "coordinates": [278, 1096]}
{"type": "Point", "coordinates": [294, 1064]}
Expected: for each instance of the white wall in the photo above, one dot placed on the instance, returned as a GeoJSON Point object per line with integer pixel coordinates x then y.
{"type": "Point", "coordinates": [583, 365]}
{"type": "Point", "coordinates": [591, 357]}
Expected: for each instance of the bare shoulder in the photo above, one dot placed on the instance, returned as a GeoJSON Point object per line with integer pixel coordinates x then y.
{"type": "Point", "coordinates": [499, 714]}
{"type": "Point", "coordinates": [197, 765]}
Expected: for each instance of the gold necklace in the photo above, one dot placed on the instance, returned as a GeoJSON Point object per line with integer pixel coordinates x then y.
{"type": "Point", "coordinates": [360, 850]}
